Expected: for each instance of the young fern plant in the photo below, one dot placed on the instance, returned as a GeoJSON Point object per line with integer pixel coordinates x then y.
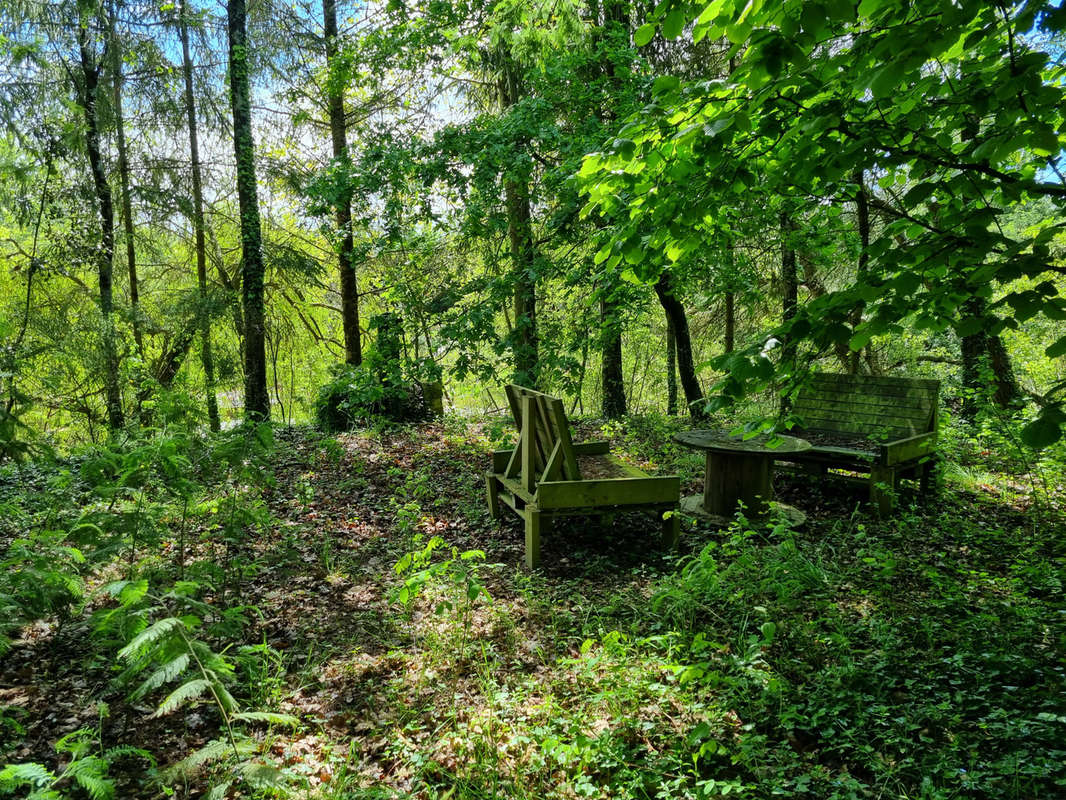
{"type": "Point", "coordinates": [168, 652]}
{"type": "Point", "coordinates": [87, 768]}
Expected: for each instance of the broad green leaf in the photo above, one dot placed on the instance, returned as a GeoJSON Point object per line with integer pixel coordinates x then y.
{"type": "Point", "coordinates": [644, 34]}
{"type": "Point", "coordinates": [1056, 349]}
{"type": "Point", "coordinates": [674, 24]}
{"type": "Point", "coordinates": [665, 84]}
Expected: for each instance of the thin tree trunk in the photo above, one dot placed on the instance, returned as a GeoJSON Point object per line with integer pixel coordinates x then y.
{"type": "Point", "coordinates": [124, 180]}
{"type": "Point", "coordinates": [353, 351]}
{"type": "Point", "coordinates": [730, 322]}
{"type": "Point", "coordinates": [523, 254]}
{"type": "Point", "coordinates": [256, 396]}
{"type": "Point", "coordinates": [612, 379]}
{"type": "Point", "coordinates": [90, 71]}
{"type": "Point", "coordinates": [817, 289]}
{"type": "Point", "coordinates": [789, 295]}
{"type": "Point", "coordinates": [862, 212]}
{"type": "Point", "coordinates": [982, 352]}
{"type": "Point", "coordinates": [671, 369]}
{"type": "Point", "coordinates": [206, 355]}
{"type": "Point", "coordinates": [675, 312]}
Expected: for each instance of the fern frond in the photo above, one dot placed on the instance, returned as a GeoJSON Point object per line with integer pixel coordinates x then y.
{"type": "Point", "coordinates": [127, 750]}
{"type": "Point", "coordinates": [269, 717]}
{"type": "Point", "coordinates": [215, 750]}
{"type": "Point", "coordinates": [225, 699]}
{"type": "Point", "coordinates": [14, 775]}
{"type": "Point", "coordinates": [91, 775]}
{"type": "Point", "coordinates": [185, 693]}
{"type": "Point", "coordinates": [149, 636]}
{"type": "Point", "coordinates": [218, 792]}
{"type": "Point", "coordinates": [264, 776]}
{"type": "Point", "coordinates": [170, 671]}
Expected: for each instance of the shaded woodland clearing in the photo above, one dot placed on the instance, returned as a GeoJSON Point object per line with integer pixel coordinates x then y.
{"type": "Point", "coordinates": [917, 654]}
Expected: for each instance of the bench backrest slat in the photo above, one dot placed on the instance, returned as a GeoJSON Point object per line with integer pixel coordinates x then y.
{"type": "Point", "coordinates": [544, 429]}
{"type": "Point", "coordinates": [876, 406]}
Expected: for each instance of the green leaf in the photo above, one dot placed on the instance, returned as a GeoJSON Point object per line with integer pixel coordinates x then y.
{"type": "Point", "coordinates": [1057, 348]}
{"type": "Point", "coordinates": [183, 695]}
{"type": "Point", "coordinates": [149, 636]}
{"type": "Point", "coordinates": [1045, 142]}
{"type": "Point", "coordinates": [674, 24]}
{"type": "Point", "coordinates": [644, 34]}
{"type": "Point", "coordinates": [1043, 431]}
{"type": "Point", "coordinates": [269, 717]}
{"type": "Point", "coordinates": [665, 83]}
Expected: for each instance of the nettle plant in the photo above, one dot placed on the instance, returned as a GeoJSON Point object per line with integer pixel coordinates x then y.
{"type": "Point", "coordinates": [457, 576]}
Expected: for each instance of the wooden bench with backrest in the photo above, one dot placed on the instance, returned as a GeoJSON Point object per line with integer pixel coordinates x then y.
{"type": "Point", "coordinates": [885, 426]}
{"type": "Point", "coordinates": [547, 475]}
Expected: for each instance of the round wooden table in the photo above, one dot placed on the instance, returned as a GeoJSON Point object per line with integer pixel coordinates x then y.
{"type": "Point", "coordinates": [738, 470]}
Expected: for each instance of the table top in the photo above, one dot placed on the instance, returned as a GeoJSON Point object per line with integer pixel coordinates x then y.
{"type": "Point", "coordinates": [723, 441]}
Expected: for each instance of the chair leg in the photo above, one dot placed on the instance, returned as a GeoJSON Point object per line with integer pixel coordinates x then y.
{"type": "Point", "coordinates": [536, 522]}
{"type": "Point", "coordinates": [493, 494]}
{"type": "Point", "coordinates": [671, 531]}
{"type": "Point", "coordinates": [926, 478]}
{"type": "Point", "coordinates": [884, 483]}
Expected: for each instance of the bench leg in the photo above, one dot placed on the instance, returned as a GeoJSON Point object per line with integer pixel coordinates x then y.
{"type": "Point", "coordinates": [493, 494]}
{"type": "Point", "coordinates": [884, 483]}
{"type": "Point", "coordinates": [671, 531]}
{"type": "Point", "coordinates": [927, 476]}
{"type": "Point", "coordinates": [536, 523]}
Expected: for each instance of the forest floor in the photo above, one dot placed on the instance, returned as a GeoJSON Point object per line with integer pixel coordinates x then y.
{"type": "Point", "coordinates": [915, 656]}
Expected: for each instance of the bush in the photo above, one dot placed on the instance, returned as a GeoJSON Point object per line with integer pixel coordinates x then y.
{"type": "Point", "coordinates": [375, 389]}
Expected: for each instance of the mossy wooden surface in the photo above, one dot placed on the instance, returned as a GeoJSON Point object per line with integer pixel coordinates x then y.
{"type": "Point", "coordinates": [541, 478]}
{"type": "Point", "coordinates": [897, 417]}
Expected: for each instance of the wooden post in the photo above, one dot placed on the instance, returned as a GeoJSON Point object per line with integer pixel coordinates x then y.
{"type": "Point", "coordinates": [534, 521]}
{"type": "Point", "coordinates": [733, 477]}
{"type": "Point", "coordinates": [494, 500]}
{"type": "Point", "coordinates": [884, 482]}
{"type": "Point", "coordinates": [671, 531]}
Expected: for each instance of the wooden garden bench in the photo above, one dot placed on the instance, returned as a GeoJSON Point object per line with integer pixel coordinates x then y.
{"type": "Point", "coordinates": [546, 475]}
{"type": "Point", "coordinates": [885, 426]}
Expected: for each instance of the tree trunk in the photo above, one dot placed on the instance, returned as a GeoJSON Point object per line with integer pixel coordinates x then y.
{"type": "Point", "coordinates": [671, 369]}
{"type": "Point", "coordinates": [353, 351]}
{"type": "Point", "coordinates": [87, 97]}
{"type": "Point", "coordinates": [675, 312]}
{"type": "Point", "coordinates": [612, 379]}
{"type": "Point", "coordinates": [983, 354]}
{"type": "Point", "coordinates": [817, 289]}
{"type": "Point", "coordinates": [789, 295]}
{"type": "Point", "coordinates": [523, 255]}
{"type": "Point", "coordinates": [615, 16]}
{"type": "Point", "coordinates": [256, 397]}
{"type": "Point", "coordinates": [206, 355]}
{"type": "Point", "coordinates": [862, 212]}
{"type": "Point", "coordinates": [730, 322]}
{"type": "Point", "coordinates": [124, 179]}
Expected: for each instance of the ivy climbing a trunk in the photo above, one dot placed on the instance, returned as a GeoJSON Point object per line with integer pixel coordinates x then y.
{"type": "Point", "coordinates": [105, 254]}
{"type": "Point", "coordinates": [256, 397]}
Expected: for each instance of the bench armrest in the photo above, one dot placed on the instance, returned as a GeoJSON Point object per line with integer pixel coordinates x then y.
{"type": "Point", "coordinates": [910, 449]}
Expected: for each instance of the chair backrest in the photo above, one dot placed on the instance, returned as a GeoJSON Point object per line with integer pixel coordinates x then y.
{"type": "Point", "coordinates": [876, 406]}
{"type": "Point", "coordinates": [545, 449]}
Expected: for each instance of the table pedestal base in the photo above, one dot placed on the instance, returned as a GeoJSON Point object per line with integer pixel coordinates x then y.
{"type": "Point", "coordinates": [693, 505]}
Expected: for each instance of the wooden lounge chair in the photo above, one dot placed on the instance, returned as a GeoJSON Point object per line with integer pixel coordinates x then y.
{"type": "Point", "coordinates": [546, 475]}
